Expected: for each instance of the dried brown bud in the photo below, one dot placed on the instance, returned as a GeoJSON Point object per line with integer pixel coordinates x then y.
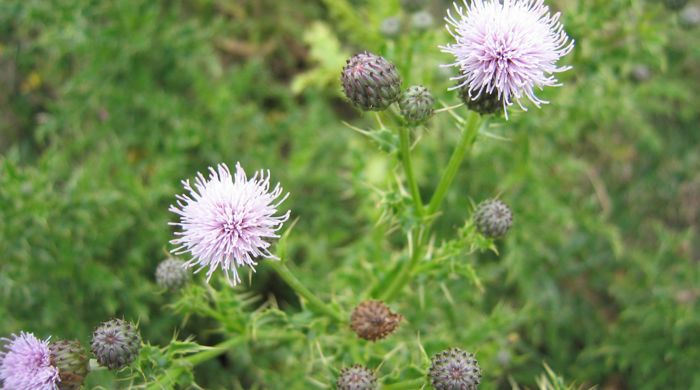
{"type": "Point", "coordinates": [373, 320]}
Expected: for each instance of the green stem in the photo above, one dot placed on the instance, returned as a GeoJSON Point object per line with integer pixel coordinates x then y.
{"type": "Point", "coordinates": [315, 302]}
{"type": "Point", "coordinates": [170, 377]}
{"type": "Point", "coordinates": [410, 384]}
{"type": "Point", "coordinates": [466, 140]}
{"type": "Point", "coordinates": [403, 276]}
{"type": "Point", "coordinates": [405, 144]}
{"type": "Point", "coordinates": [214, 351]}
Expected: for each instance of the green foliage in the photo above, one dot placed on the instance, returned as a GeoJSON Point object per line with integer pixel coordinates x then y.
{"type": "Point", "coordinates": [106, 106]}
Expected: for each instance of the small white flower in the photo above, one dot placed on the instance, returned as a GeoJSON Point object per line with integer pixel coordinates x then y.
{"type": "Point", "coordinates": [226, 220]}
{"type": "Point", "coordinates": [507, 46]}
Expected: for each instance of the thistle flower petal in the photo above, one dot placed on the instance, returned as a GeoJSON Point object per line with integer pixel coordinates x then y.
{"type": "Point", "coordinates": [227, 220]}
{"type": "Point", "coordinates": [507, 47]}
{"type": "Point", "coordinates": [25, 364]}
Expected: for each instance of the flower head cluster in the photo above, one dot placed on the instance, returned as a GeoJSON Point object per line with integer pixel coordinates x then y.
{"type": "Point", "coordinates": [509, 47]}
{"type": "Point", "coordinates": [226, 220]}
{"type": "Point", "coordinates": [25, 364]}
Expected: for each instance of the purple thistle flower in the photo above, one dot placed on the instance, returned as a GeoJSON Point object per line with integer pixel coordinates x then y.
{"type": "Point", "coordinates": [25, 364]}
{"type": "Point", "coordinates": [226, 220]}
{"type": "Point", "coordinates": [507, 46]}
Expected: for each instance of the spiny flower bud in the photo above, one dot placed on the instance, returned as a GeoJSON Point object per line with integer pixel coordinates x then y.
{"type": "Point", "coordinates": [675, 5]}
{"type": "Point", "coordinates": [417, 104]}
{"type": "Point", "coordinates": [171, 274]}
{"type": "Point", "coordinates": [641, 73]}
{"type": "Point", "coordinates": [390, 27]}
{"type": "Point", "coordinates": [116, 343]}
{"type": "Point", "coordinates": [71, 359]}
{"type": "Point", "coordinates": [486, 103]}
{"type": "Point", "coordinates": [690, 17]}
{"type": "Point", "coordinates": [373, 320]}
{"type": "Point", "coordinates": [370, 82]}
{"type": "Point", "coordinates": [412, 5]}
{"type": "Point", "coordinates": [422, 20]}
{"type": "Point", "coordinates": [454, 369]}
{"type": "Point", "coordinates": [493, 218]}
{"type": "Point", "coordinates": [356, 377]}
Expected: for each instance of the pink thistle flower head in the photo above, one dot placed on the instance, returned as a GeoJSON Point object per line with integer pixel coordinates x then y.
{"type": "Point", "coordinates": [25, 364]}
{"type": "Point", "coordinates": [509, 47]}
{"type": "Point", "coordinates": [227, 220]}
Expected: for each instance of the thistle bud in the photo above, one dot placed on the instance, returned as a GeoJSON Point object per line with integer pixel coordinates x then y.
{"type": "Point", "coordinates": [417, 104]}
{"type": "Point", "coordinates": [370, 82]}
{"type": "Point", "coordinates": [493, 218]}
{"type": "Point", "coordinates": [454, 369]}
{"type": "Point", "coordinates": [690, 17]}
{"type": "Point", "coordinates": [390, 27]}
{"type": "Point", "coordinates": [641, 73]}
{"type": "Point", "coordinates": [356, 377]}
{"type": "Point", "coordinates": [675, 5]}
{"type": "Point", "coordinates": [412, 5]}
{"type": "Point", "coordinates": [373, 320]}
{"type": "Point", "coordinates": [422, 20]}
{"type": "Point", "coordinates": [486, 103]}
{"type": "Point", "coordinates": [71, 360]}
{"type": "Point", "coordinates": [171, 274]}
{"type": "Point", "coordinates": [116, 343]}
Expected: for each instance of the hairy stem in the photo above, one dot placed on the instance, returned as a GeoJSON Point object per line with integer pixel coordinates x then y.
{"type": "Point", "coordinates": [170, 377]}
{"type": "Point", "coordinates": [466, 140]}
{"type": "Point", "coordinates": [402, 277]}
{"type": "Point", "coordinates": [315, 302]}
{"type": "Point", "coordinates": [214, 351]}
{"type": "Point", "coordinates": [398, 280]}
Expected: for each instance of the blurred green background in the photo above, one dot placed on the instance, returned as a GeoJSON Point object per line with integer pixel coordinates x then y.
{"type": "Point", "coordinates": [106, 105]}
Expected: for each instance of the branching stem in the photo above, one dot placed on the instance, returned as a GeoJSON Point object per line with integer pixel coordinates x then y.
{"type": "Point", "coordinates": [315, 302]}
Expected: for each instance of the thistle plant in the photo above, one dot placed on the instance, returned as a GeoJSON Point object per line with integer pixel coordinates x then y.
{"type": "Point", "coordinates": [230, 224]}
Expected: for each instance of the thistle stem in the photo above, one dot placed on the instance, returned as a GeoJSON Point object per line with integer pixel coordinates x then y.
{"type": "Point", "coordinates": [314, 302]}
{"type": "Point", "coordinates": [403, 276]}
{"type": "Point", "coordinates": [474, 122]}
{"type": "Point", "coordinates": [169, 378]}
{"type": "Point", "coordinates": [405, 145]}
{"type": "Point", "coordinates": [214, 351]}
